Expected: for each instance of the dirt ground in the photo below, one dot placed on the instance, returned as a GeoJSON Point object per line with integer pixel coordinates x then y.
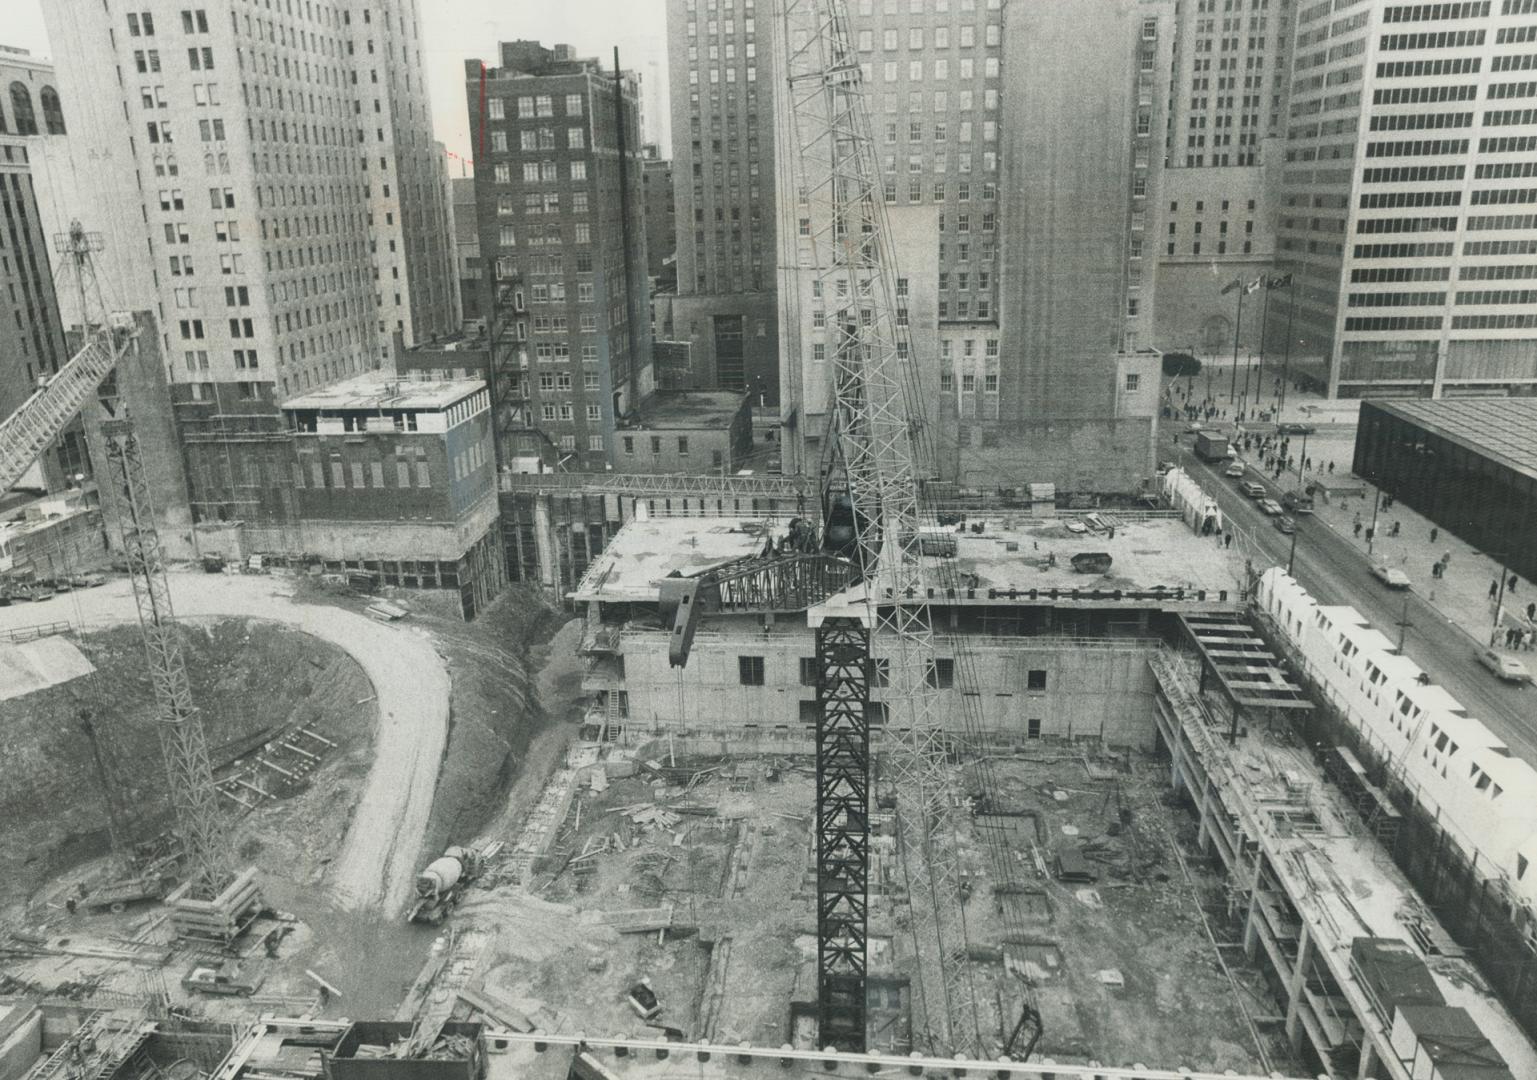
{"type": "Point", "coordinates": [247, 678]}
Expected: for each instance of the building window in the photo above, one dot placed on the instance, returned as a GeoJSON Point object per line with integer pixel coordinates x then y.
{"type": "Point", "coordinates": [1035, 680]}
{"type": "Point", "coordinates": [1133, 381]}
{"type": "Point", "coordinates": [941, 673]}
{"type": "Point", "coordinates": [750, 670]}
{"type": "Point", "coordinates": [1033, 728]}
{"type": "Point", "coordinates": [808, 671]}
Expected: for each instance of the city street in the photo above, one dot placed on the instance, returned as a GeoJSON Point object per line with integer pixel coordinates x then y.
{"type": "Point", "coordinates": [1336, 573]}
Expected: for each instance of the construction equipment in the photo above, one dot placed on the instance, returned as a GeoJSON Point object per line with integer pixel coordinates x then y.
{"type": "Point", "coordinates": [439, 887]}
{"type": "Point", "coordinates": [222, 977]}
{"type": "Point", "coordinates": [152, 882]}
{"type": "Point", "coordinates": [208, 879]}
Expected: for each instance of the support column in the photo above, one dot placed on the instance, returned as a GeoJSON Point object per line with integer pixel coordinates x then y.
{"type": "Point", "coordinates": [544, 541]}
{"type": "Point", "coordinates": [1294, 987]}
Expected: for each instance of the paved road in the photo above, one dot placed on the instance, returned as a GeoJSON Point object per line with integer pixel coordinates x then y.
{"type": "Point", "coordinates": [1336, 573]}
{"type": "Point", "coordinates": [380, 855]}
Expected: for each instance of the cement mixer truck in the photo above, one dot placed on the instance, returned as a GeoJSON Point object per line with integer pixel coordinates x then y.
{"type": "Point", "coordinates": [439, 887]}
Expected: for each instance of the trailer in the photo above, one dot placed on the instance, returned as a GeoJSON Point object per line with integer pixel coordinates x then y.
{"type": "Point", "coordinates": [1210, 446]}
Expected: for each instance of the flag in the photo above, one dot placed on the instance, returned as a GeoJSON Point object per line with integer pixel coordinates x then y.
{"type": "Point", "coordinates": [1280, 281]}
{"type": "Point", "coordinates": [1230, 286]}
{"type": "Point", "coordinates": [1251, 286]}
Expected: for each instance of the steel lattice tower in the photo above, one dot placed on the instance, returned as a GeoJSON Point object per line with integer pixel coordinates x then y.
{"type": "Point", "coordinates": [879, 436]}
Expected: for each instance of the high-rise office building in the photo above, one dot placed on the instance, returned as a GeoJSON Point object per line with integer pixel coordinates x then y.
{"type": "Point", "coordinates": [1227, 111]}
{"type": "Point", "coordinates": [1406, 198]}
{"type": "Point", "coordinates": [722, 97]}
{"type": "Point", "coordinates": [1083, 166]}
{"type": "Point", "coordinates": [32, 343]}
{"type": "Point", "coordinates": [560, 205]}
{"type": "Point", "coordinates": [267, 187]}
{"type": "Point", "coordinates": [933, 88]}
{"type": "Point", "coordinates": [467, 250]}
{"type": "Point", "coordinates": [1227, 90]}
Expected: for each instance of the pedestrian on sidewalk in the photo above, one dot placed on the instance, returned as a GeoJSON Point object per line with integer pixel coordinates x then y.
{"type": "Point", "coordinates": [1395, 529]}
{"type": "Point", "coordinates": [1510, 586]}
{"type": "Point", "coordinates": [1446, 559]}
{"type": "Point", "coordinates": [1435, 570]}
{"type": "Point", "coordinates": [1494, 589]}
{"type": "Point", "coordinates": [1228, 540]}
{"type": "Point", "coordinates": [1358, 528]}
{"type": "Point", "coordinates": [1531, 612]}
{"type": "Point", "coordinates": [1371, 531]}
{"type": "Point", "coordinates": [1331, 468]}
{"type": "Point", "coordinates": [1433, 534]}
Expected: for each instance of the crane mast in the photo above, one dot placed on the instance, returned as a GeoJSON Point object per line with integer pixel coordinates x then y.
{"type": "Point", "coordinates": [206, 871]}
{"type": "Point", "coordinates": [878, 437]}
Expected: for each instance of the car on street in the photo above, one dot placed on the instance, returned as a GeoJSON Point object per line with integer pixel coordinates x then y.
{"type": "Point", "coordinates": [1296, 429]}
{"type": "Point", "coordinates": [1287, 525]}
{"type": "Point", "coordinates": [1391, 576]}
{"type": "Point", "coordinates": [1504, 667]}
{"type": "Point", "coordinates": [1271, 507]}
{"type": "Point", "coordinates": [1253, 489]}
{"type": "Point", "coordinates": [1235, 470]}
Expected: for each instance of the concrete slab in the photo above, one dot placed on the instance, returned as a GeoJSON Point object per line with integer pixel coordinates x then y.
{"type": "Point", "coordinates": [37, 665]}
{"type": "Point", "coordinates": [644, 552]}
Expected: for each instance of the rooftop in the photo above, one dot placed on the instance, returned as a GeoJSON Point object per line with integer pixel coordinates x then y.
{"type": "Point", "coordinates": [686, 409]}
{"type": "Point", "coordinates": [380, 393]}
{"type": "Point", "coordinates": [1002, 556]}
{"type": "Point", "coordinates": [1503, 429]}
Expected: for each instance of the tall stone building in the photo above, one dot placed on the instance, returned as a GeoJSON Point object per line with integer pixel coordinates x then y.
{"type": "Point", "coordinates": [1227, 113]}
{"type": "Point", "coordinates": [560, 205]}
{"type": "Point", "coordinates": [32, 344]}
{"type": "Point", "coordinates": [267, 188]}
{"type": "Point", "coordinates": [1406, 198]}
{"type": "Point", "coordinates": [722, 85]}
{"type": "Point", "coordinates": [1083, 166]}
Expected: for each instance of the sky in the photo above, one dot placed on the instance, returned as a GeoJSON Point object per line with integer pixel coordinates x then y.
{"type": "Point", "coordinates": [456, 30]}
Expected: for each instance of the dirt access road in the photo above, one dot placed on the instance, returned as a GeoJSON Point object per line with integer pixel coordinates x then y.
{"type": "Point", "coordinates": [379, 857]}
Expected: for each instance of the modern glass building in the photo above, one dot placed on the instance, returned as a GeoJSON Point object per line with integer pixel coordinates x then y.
{"type": "Point", "coordinates": [1468, 465]}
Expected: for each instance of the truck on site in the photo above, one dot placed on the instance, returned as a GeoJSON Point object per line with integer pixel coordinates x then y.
{"type": "Point", "coordinates": [1298, 502]}
{"type": "Point", "coordinates": [442, 883]}
{"type": "Point", "coordinates": [1209, 446]}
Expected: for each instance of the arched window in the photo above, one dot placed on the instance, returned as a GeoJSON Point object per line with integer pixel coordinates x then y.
{"type": "Point", "coordinates": [53, 112]}
{"type": "Point", "coordinates": [21, 109]}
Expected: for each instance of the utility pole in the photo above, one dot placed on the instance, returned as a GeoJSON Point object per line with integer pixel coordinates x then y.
{"type": "Point", "coordinates": [1291, 559]}
{"type": "Point", "coordinates": [1371, 532]}
{"type": "Point", "coordinates": [1264, 319]}
{"type": "Point", "coordinates": [1403, 623]}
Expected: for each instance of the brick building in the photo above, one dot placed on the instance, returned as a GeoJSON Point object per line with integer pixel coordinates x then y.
{"type": "Point", "coordinates": [559, 200]}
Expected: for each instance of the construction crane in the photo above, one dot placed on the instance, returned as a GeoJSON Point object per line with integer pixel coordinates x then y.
{"type": "Point", "coordinates": [210, 906]}
{"type": "Point", "coordinates": [872, 537]}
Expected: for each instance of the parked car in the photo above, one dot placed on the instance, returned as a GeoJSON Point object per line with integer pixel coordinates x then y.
{"type": "Point", "coordinates": [1504, 667]}
{"type": "Point", "coordinates": [1296, 429]}
{"type": "Point", "coordinates": [1193, 427]}
{"type": "Point", "coordinates": [1287, 525]}
{"type": "Point", "coordinates": [1235, 471]}
{"type": "Point", "coordinates": [1391, 576]}
{"type": "Point", "coordinates": [1271, 507]}
{"type": "Point", "coordinates": [221, 977]}
{"type": "Point", "coordinates": [1253, 489]}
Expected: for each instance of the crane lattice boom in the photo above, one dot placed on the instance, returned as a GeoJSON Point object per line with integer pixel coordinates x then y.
{"type": "Point", "coordinates": [877, 430]}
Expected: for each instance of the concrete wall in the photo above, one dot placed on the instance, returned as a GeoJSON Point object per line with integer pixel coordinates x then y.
{"type": "Point", "coordinates": [1090, 456]}
{"type": "Point", "coordinates": [1099, 689]}
{"type": "Point", "coordinates": [1072, 268]}
{"type": "Point", "coordinates": [691, 319]}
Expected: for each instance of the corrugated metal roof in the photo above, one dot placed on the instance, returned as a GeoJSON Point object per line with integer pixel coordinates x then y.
{"type": "Point", "coordinates": [1504, 429]}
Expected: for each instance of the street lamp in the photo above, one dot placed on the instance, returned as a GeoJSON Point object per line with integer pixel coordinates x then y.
{"type": "Point", "coordinates": [1284, 282]}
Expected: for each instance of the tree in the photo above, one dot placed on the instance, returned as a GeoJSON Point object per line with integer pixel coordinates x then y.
{"type": "Point", "coordinates": [1180, 364]}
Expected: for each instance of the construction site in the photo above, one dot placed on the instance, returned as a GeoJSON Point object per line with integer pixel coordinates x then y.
{"type": "Point", "coordinates": [827, 776]}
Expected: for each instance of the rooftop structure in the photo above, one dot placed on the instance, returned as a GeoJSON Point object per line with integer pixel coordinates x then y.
{"type": "Point", "coordinates": [1503, 430]}
{"type": "Point", "coordinates": [1005, 558]}
{"type": "Point", "coordinates": [372, 393]}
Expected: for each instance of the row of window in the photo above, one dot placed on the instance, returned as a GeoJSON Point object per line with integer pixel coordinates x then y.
{"type": "Point", "coordinates": [375, 477]}
{"type": "Point", "coordinates": [535, 139]}
{"type": "Point", "coordinates": [966, 37]}
{"type": "Point", "coordinates": [566, 413]}
{"type": "Point", "coordinates": [535, 106]}
{"type": "Point", "coordinates": [25, 117]}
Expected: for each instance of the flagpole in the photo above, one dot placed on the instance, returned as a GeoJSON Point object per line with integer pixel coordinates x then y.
{"type": "Point", "coordinates": [1259, 391]}
{"type": "Point", "coordinates": [1286, 355]}
{"type": "Point", "coordinates": [1232, 393]}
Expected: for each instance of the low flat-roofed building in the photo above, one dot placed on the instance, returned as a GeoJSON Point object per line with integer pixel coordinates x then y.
{"type": "Point", "coordinates": [1467, 464]}
{"type": "Point", "coordinates": [396, 476]}
{"type": "Point", "coordinates": [686, 431]}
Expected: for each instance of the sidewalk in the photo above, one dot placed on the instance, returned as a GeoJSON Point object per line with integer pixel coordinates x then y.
{"type": "Point", "coordinates": [1462, 595]}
